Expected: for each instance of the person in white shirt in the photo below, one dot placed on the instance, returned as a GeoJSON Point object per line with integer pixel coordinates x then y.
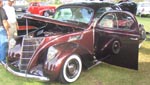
{"type": "Point", "coordinates": [10, 12]}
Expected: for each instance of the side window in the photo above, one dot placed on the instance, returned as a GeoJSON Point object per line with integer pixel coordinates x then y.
{"type": "Point", "coordinates": [35, 4]}
{"type": "Point", "coordinates": [125, 21]}
{"type": "Point", "coordinates": [108, 21]}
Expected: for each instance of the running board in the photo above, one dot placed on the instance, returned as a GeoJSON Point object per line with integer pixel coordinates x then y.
{"type": "Point", "coordinates": [96, 63]}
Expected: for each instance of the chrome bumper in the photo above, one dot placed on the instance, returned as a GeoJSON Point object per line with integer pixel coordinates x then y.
{"type": "Point", "coordinates": [26, 75]}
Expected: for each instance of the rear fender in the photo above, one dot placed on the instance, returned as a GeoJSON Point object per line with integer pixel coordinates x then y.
{"type": "Point", "coordinates": [41, 12]}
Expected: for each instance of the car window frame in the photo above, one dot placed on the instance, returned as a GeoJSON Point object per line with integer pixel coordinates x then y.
{"type": "Point", "coordinates": [117, 29]}
{"type": "Point", "coordinates": [103, 16]}
{"type": "Point", "coordinates": [131, 30]}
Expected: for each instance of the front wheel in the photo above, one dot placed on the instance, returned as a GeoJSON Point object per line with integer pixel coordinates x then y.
{"type": "Point", "coordinates": [71, 69]}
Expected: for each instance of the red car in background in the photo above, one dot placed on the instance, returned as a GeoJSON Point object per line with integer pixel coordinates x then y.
{"type": "Point", "coordinates": [41, 8]}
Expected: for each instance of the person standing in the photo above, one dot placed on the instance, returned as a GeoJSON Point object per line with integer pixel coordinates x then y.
{"type": "Point", "coordinates": [10, 12]}
{"type": "Point", "coordinates": [4, 33]}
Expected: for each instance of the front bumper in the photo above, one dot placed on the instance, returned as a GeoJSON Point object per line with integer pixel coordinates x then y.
{"type": "Point", "coordinates": [40, 78]}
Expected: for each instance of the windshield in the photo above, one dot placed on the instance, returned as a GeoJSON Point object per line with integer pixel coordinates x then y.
{"type": "Point", "coordinates": [77, 14]}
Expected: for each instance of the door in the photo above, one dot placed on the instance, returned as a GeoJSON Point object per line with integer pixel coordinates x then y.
{"type": "Point", "coordinates": [117, 39]}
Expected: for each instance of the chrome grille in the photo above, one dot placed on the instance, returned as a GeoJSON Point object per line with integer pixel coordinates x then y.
{"type": "Point", "coordinates": [29, 47]}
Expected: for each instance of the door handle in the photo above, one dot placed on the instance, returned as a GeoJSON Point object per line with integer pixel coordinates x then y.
{"type": "Point", "coordinates": [133, 38]}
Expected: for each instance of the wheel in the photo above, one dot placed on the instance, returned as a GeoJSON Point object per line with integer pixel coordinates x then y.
{"type": "Point", "coordinates": [71, 69]}
{"type": "Point", "coordinates": [116, 47]}
{"type": "Point", "coordinates": [46, 14]}
{"type": "Point", "coordinates": [143, 34]}
{"type": "Point", "coordinates": [143, 37]}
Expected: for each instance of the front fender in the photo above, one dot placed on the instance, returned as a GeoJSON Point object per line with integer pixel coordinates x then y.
{"type": "Point", "coordinates": [52, 68]}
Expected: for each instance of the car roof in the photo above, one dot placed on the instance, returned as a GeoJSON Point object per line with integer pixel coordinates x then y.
{"type": "Point", "coordinates": [93, 5]}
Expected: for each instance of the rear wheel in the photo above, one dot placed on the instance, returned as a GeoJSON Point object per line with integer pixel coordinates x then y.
{"type": "Point", "coordinates": [143, 34]}
{"type": "Point", "coordinates": [46, 14]}
{"type": "Point", "coordinates": [71, 69]}
{"type": "Point", "coordinates": [116, 47]}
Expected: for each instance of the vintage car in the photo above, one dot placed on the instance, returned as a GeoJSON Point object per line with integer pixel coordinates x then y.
{"type": "Point", "coordinates": [41, 8]}
{"type": "Point", "coordinates": [21, 5]}
{"type": "Point", "coordinates": [143, 8]}
{"type": "Point", "coordinates": [128, 6]}
{"type": "Point", "coordinates": [79, 36]}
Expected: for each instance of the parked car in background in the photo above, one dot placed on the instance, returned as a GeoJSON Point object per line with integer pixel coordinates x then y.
{"type": "Point", "coordinates": [41, 8]}
{"type": "Point", "coordinates": [143, 8]}
{"type": "Point", "coordinates": [128, 6]}
{"type": "Point", "coordinates": [21, 5]}
{"type": "Point", "coordinates": [79, 35]}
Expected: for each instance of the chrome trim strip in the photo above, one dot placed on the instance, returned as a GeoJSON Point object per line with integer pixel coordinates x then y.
{"type": "Point", "coordinates": [41, 78]}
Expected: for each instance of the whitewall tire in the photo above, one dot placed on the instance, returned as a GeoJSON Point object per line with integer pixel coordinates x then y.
{"type": "Point", "coordinates": [71, 69]}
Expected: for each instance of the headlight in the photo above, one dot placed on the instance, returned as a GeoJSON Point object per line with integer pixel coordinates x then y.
{"type": "Point", "coordinates": [12, 43]}
{"type": "Point", "coordinates": [51, 53]}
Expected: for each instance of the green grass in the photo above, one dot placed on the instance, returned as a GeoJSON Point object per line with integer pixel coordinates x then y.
{"type": "Point", "coordinates": [103, 74]}
{"type": "Point", "coordinates": [145, 21]}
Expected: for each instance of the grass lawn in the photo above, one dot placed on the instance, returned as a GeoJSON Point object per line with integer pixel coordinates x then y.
{"type": "Point", "coordinates": [103, 74]}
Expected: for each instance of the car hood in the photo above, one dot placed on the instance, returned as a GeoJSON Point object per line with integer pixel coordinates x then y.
{"type": "Point", "coordinates": [53, 21]}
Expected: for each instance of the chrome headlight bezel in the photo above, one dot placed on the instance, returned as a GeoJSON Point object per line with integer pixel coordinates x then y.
{"type": "Point", "coordinates": [52, 51]}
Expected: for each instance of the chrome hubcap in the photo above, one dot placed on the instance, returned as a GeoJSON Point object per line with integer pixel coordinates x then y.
{"type": "Point", "coordinates": [72, 68]}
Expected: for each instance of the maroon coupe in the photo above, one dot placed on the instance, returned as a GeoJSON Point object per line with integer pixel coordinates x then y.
{"type": "Point", "coordinates": [79, 35]}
